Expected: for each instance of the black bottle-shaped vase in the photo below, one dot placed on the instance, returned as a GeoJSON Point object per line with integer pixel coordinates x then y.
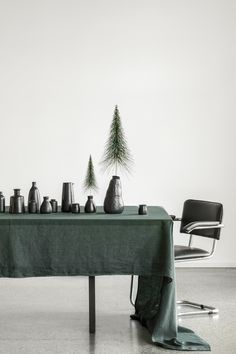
{"type": "Point", "coordinates": [46, 207]}
{"type": "Point", "coordinates": [17, 205]}
{"type": "Point", "coordinates": [54, 205]}
{"type": "Point", "coordinates": [113, 203]}
{"type": "Point", "coordinates": [90, 207]}
{"type": "Point", "coordinates": [2, 203]}
{"type": "Point", "coordinates": [34, 195]}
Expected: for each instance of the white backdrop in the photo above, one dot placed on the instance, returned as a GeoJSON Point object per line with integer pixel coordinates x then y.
{"type": "Point", "coordinates": [170, 67]}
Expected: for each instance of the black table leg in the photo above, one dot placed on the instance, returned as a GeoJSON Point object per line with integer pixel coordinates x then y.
{"type": "Point", "coordinates": [92, 314]}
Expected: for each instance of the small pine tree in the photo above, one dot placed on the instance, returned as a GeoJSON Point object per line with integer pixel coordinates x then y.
{"type": "Point", "coordinates": [90, 182]}
{"type": "Point", "coordinates": [116, 152]}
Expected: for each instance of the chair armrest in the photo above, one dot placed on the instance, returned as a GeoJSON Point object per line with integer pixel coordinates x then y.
{"type": "Point", "coordinates": [198, 225]}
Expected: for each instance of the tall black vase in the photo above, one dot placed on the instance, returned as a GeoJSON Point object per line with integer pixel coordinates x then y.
{"type": "Point", "coordinates": [34, 196]}
{"type": "Point", "coordinates": [2, 203]}
{"type": "Point", "coordinates": [67, 197]}
{"type": "Point", "coordinates": [113, 203]}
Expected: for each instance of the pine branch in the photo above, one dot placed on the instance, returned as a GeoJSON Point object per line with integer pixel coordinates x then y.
{"type": "Point", "coordinates": [117, 154]}
{"type": "Point", "coordinates": [90, 182]}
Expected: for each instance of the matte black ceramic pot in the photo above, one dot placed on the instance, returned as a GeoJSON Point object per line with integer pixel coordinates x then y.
{"type": "Point", "coordinates": [142, 210]}
{"type": "Point", "coordinates": [67, 197]}
{"type": "Point", "coordinates": [32, 207]}
{"type": "Point", "coordinates": [2, 203]}
{"type": "Point", "coordinates": [34, 195]}
{"type": "Point", "coordinates": [46, 207]}
{"type": "Point", "coordinates": [75, 208]}
{"type": "Point", "coordinates": [90, 207]}
{"type": "Point", "coordinates": [17, 205]}
{"type": "Point", "coordinates": [54, 205]}
{"type": "Point", "coordinates": [113, 203]}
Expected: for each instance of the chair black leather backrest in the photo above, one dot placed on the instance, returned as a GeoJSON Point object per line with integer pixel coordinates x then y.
{"type": "Point", "coordinates": [200, 210]}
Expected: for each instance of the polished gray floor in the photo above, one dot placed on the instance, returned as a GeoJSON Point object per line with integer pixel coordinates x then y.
{"type": "Point", "coordinates": [50, 315]}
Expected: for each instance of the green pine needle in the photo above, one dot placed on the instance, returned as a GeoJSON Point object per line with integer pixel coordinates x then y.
{"type": "Point", "coordinates": [90, 182]}
{"type": "Point", "coordinates": [117, 154]}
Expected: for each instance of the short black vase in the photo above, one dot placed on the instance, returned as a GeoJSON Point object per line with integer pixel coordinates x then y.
{"type": "Point", "coordinates": [90, 207]}
{"type": "Point", "coordinates": [46, 207]}
{"type": "Point", "coordinates": [113, 203]}
{"type": "Point", "coordinates": [54, 205]}
{"type": "Point", "coordinates": [17, 205]}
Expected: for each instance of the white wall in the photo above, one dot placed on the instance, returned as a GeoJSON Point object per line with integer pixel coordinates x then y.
{"type": "Point", "coordinates": [169, 65]}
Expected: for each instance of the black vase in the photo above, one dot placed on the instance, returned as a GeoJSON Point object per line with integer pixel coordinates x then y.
{"type": "Point", "coordinates": [46, 207]}
{"type": "Point", "coordinates": [67, 197]}
{"type": "Point", "coordinates": [2, 203]}
{"type": "Point", "coordinates": [90, 206]}
{"type": "Point", "coordinates": [113, 203]}
{"type": "Point", "coordinates": [17, 205]}
{"type": "Point", "coordinates": [34, 195]}
{"type": "Point", "coordinates": [54, 205]}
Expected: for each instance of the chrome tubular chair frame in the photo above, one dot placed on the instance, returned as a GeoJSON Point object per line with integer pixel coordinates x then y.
{"type": "Point", "coordinates": [203, 309]}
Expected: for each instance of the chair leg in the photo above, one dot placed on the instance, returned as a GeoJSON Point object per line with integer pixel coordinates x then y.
{"type": "Point", "coordinates": [131, 291]}
{"type": "Point", "coordinates": [204, 309]}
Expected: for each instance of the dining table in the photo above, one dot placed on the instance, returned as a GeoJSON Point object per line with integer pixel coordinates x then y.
{"type": "Point", "coordinates": [96, 244]}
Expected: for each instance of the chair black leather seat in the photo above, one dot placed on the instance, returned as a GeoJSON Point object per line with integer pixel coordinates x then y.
{"type": "Point", "coordinates": [185, 252]}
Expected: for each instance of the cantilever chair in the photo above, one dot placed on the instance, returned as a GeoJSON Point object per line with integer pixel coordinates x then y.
{"type": "Point", "coordinates": [199, 218]}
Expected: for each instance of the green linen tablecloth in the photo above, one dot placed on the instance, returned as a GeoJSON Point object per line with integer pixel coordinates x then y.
{"type": "Point", "coordinates": [65, 244]}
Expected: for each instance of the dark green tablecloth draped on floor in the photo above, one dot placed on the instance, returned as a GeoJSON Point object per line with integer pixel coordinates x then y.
{"type": "Point", "coordinates": [101, 244]}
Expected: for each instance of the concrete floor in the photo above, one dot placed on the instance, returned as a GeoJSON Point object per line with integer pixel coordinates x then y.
{"type": "Point", "coordinates": [50, 315]}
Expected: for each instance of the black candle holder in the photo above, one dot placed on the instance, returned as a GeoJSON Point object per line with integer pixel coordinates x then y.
{"type": "Point", "coordinates": [75, 208]}
{"type": "Point", "coordinates": [142, 210]}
